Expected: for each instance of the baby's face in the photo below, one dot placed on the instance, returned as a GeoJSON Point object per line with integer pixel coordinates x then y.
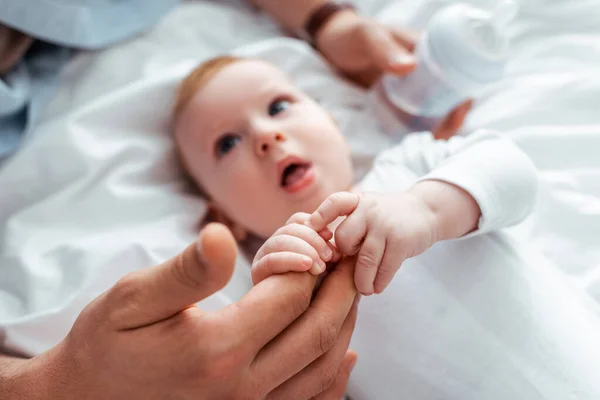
{"type": "Point", "coordinates": [261, 148]}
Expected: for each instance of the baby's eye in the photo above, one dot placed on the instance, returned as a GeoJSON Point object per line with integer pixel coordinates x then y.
{"type": "Point", "coordinates": [278, 106]}
{"type": "Point", "coordinates": [225, 144]}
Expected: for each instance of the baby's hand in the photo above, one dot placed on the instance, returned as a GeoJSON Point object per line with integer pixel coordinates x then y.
{"type": "Point", "coordinates": [294, 247]}
{"type": "Point", "coordinates": [451, 124]}
{"type": "Point", "coordinates": [384, 229]}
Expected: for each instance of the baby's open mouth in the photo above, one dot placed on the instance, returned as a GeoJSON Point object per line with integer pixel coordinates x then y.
{"type": "Point", "coordinates": [293, 174]}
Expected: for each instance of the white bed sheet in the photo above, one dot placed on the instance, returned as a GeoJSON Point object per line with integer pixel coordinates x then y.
{"type": "Point", "coordinates": [95, 193]}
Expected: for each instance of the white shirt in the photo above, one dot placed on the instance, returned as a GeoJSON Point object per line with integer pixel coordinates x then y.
{"type": "Point", "coordinates": [493, 170]}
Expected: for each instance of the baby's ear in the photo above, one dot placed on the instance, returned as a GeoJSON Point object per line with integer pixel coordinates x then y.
{"type": "Point", "coordinates": [215, 214]}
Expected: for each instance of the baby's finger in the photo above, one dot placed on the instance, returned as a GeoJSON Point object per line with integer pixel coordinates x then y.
{"type": "Point", "coordinates": [279, 263]}
{"type": "Point", "coordinates": [336, 205]}
{"type": "Point", "coordinates": [291, 242]}
{"type": "Point", "coordinates": [298, 218]}
{"type": "Point", "coordinates": [452, 123]}
{"type": "Point", "coordinates": [393, 257]}
{"type": "Point", "coordinates": [310, 236]}
{"type": "Point", "coordinates": [350, 233]}
{"type": "Point", "coordinates": [367, 263]}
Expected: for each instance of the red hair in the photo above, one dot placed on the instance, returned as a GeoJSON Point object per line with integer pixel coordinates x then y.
{"type": "Point", "coordinates": [197, 79]}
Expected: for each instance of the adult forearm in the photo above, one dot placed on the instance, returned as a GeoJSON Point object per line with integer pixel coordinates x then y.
{"type": "Point", "coordinates": [38, 378]}
{"type": "Point", "coordinates": [292, 14]}
{"type": "Point", "coordinates": [11, 383]}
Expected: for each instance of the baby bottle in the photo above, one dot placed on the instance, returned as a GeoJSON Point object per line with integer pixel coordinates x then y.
{"type": "Point", "coordinates": [463, 49]}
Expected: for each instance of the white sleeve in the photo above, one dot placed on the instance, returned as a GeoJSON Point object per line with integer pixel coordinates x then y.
{"type": "Point", "coordinates": [491, 168]}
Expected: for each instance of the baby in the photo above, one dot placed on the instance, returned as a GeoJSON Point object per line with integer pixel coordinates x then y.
{"type": "Point", "coordinates": [273, 164]}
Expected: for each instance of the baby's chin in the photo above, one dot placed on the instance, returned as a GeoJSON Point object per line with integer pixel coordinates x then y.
{"type": "Point", "coordinates": [307, 206]}
{"type": "Point", "coordinates": [311, 204]}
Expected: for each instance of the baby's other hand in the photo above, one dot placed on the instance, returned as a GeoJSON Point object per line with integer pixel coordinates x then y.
{"type": "Point", "coordinates": [452, 123]}
{"type": "Point", "coordinates": [294, 247]}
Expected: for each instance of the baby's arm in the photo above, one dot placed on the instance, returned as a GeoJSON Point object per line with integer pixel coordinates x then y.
{"type": "Point", "coordinates": [489, 167]}
{"type": "Point", "coordinates": [294, 247]}
{"type": "Point", "coordinates": [473, 184]}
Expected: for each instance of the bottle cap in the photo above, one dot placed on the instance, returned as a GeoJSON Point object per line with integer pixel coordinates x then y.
{"type": "Point", "coordinates": [469, 44]}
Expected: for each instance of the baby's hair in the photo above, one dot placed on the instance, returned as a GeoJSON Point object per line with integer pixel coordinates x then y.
{"type": "Point", "coordinates": [197, 79]}
{"type": "Point", "coordinates": [186, 90]}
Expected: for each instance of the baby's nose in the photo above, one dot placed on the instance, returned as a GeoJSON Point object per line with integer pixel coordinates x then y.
{"type": "Point", "coordinates": [265, 142]}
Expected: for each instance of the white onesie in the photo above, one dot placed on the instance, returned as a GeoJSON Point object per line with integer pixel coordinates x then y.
{"type": "Point", "coordinates": [480, 317]}
{"type": "Point", "coordinates": [492, 169]}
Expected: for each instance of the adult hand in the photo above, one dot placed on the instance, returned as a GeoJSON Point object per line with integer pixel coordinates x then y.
{"type": "Point", "coordinates": [144, 338]}
{"type": "Point", "coordinates": [363, 49]}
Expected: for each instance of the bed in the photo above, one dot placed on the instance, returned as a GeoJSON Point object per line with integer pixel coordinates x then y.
{"type": "Point", "coordinates": [96, 192]}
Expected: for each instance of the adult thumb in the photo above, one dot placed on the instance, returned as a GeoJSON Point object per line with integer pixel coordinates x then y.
{"type": "Point", "coordinates": [157, 293]}
{"type": "Point", "coordinates": [389, 54]}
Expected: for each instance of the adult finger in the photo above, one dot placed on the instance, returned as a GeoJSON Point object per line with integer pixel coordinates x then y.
{"type": "Point", "coordinates": [338, 388]}
{"type": "Point", "coordinates": [154, 294]}
{"type": "Point", "coordinates": [326, 234]}
{"type": "Point", "coordinates": [334, 206]}
{"type": "Point", "coordinates": [279, 263]}
{"type": "Point", "coordinates": [405, 37]}
{"type": "Point", "coordinates": [350, 234]}
{"type": "Point", "coordinates": [320, 376]}
{"type": "Point", "coordinates": [388, 54]}
{"type": "Point", "coordinates": [337, 255]}
{"type": "Point", "coordinates": [368, 261]}
{"type": "Point", "coordinates": [267, 309]}
{"type": "Point", "coordinates": [283, 242]}
{"type": "Point", "coordinates": [393, 258]}
{"type": "Point", "coordinates": [311, 335]}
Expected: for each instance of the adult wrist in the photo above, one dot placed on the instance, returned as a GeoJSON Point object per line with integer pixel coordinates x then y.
{"type": "Point", "coordinates": [338, 22]}
{"type": "Point", "coordinates": [43, 377]}
{"type": "Point", "coordinates": [16, 378]}
{"type": "Point", "coordinates": [323, 16]}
